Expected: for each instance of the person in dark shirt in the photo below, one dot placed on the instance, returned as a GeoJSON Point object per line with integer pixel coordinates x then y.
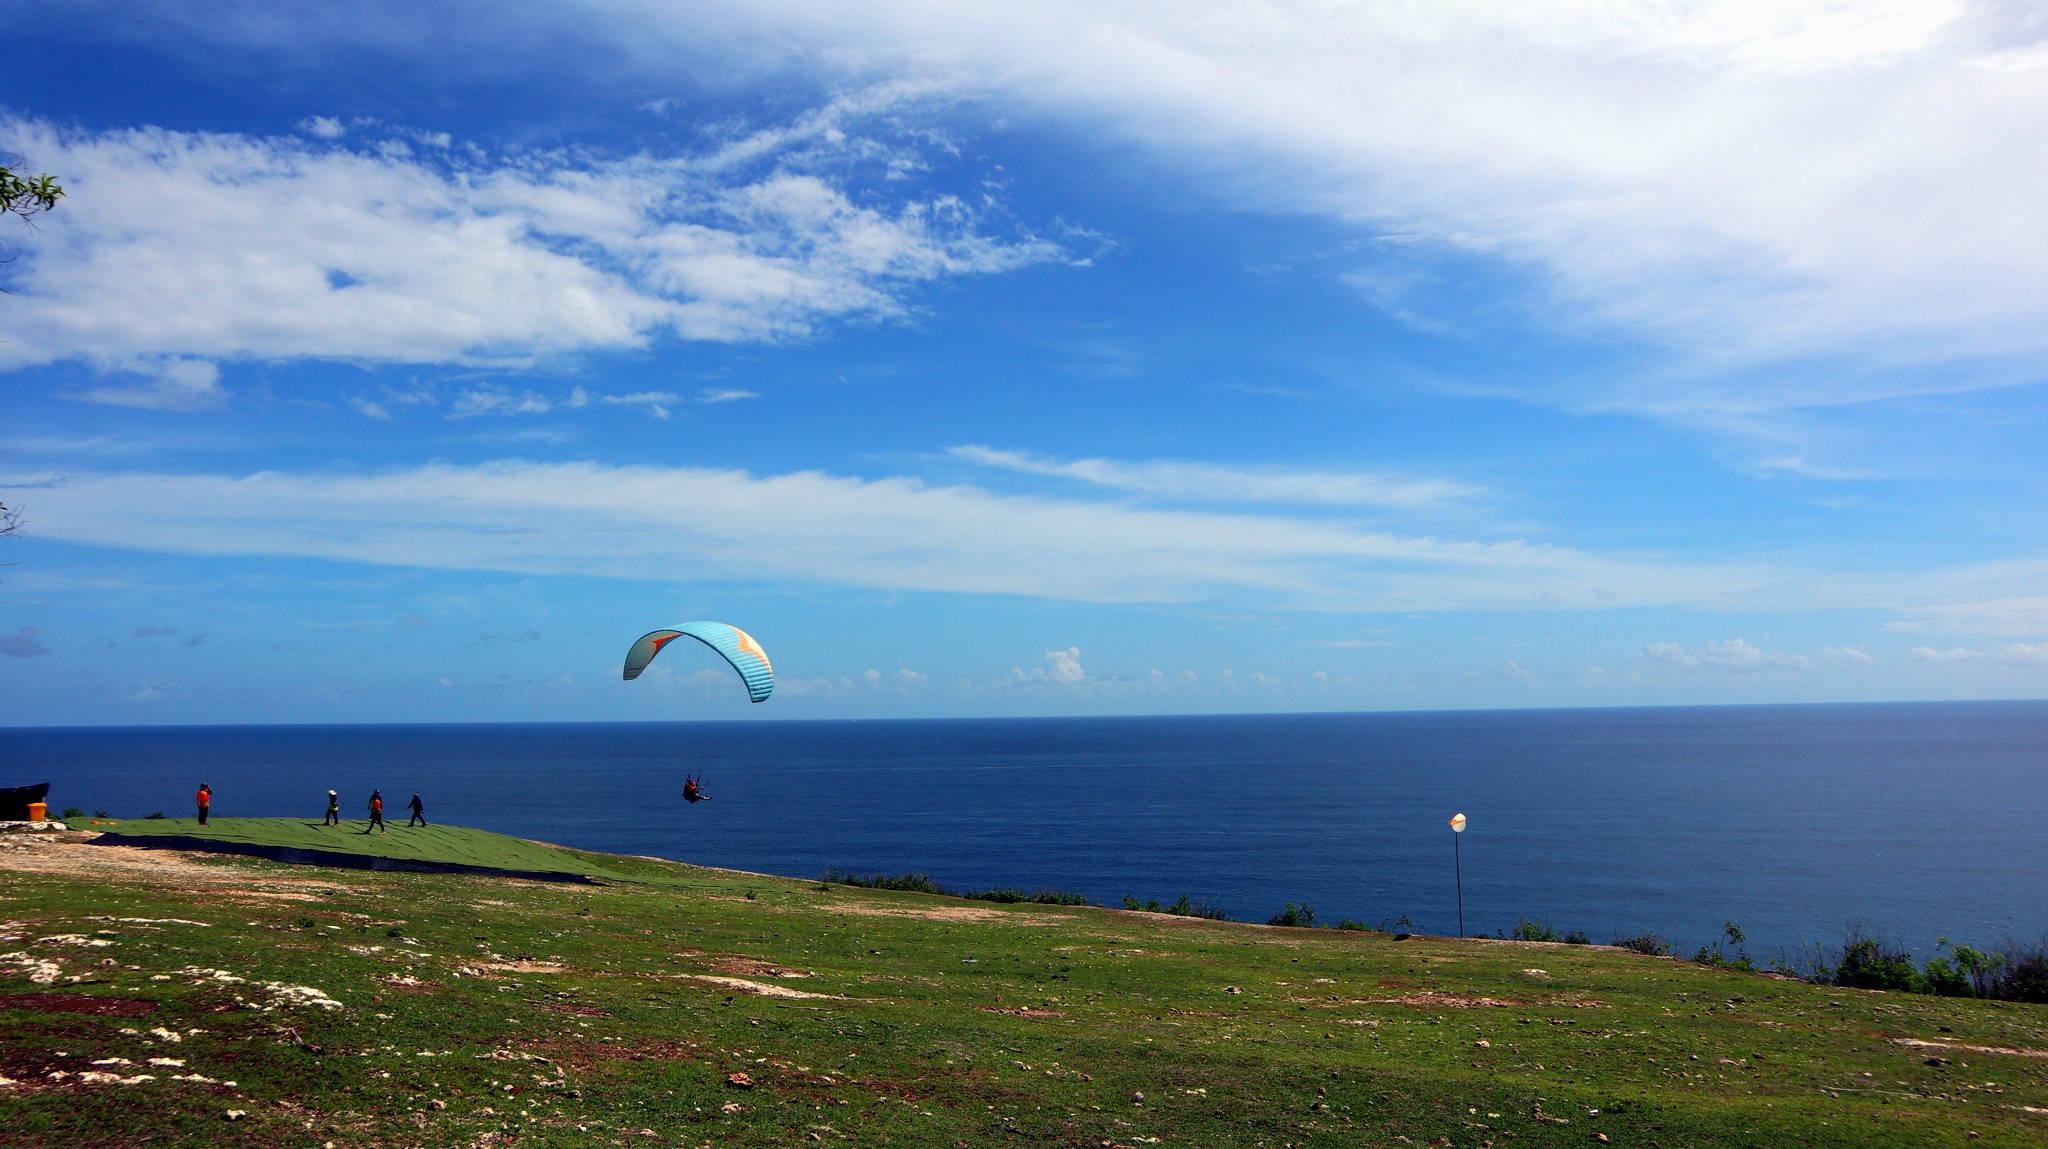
{"type": "Point", "coordinates": [376, 813]}
{"type": "Point", "coordinates": [693, 792]}
{"type": "Point", "coordinates": [205, 801]}
{"type": "Point", "coordinates": [333, 809]}
{"type": "Point", "coordinates": [419, 812]}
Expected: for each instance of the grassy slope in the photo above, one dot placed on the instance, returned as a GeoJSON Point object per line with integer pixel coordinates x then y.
{"type": "Point", "coordinates": [453, 844]}
{"type": "Point", "coordinates": [919, 1049]}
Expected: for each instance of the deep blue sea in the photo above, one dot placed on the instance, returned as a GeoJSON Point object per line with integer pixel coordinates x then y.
{"type": "Point", "coordinates": [1915, 821]}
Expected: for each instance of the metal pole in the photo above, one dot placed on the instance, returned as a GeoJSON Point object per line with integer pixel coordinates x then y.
{"type": "Point", "coordinates": [1458, 861]}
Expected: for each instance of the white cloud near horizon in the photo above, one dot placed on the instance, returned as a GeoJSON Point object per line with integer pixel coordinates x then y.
{"type": "Point", "coordinates": [899, 534]}
{"type": "Point", "coordinates": [179, 250]}
{"type": "Point", "coordinates": [1209, 482]}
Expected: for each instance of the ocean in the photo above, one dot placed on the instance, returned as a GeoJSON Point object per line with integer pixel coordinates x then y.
{"type": "Point", "coordinates": [1910, 821]}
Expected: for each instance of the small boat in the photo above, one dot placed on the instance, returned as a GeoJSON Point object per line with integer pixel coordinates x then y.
{"type": "Point", "coordinates": [14, 800]}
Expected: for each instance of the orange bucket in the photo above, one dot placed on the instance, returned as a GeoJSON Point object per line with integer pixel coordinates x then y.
{"type": "Point", "coordinates": [38, 811]}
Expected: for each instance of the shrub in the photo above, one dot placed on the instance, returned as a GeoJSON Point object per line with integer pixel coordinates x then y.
{"type": "Point", "coordinates": [1649, 945]}
{"type": "Point", "coordinates": [1302, 916]}
{"type": "Point", "coordinates": [2023, 976]}
{"type": "Point", "coordinates": [1058, 898]}
{"type": "Point", "coordinates": [915, 883]}
{"type": "Point", "coordinates": [158, 814]}
{"type": "Point", "coordinates": [1348, 924]}
{"type": "Point", "coordinates": [71, 814]}
{"type": "Point", "coordinates": [1005, 896]}
{"type": "Point", "coordinates": [1577, 938]}
{"type": "Point", "coordinates": [1528, 931]}
{"type": "Point", "coordinates": [1870, 964]}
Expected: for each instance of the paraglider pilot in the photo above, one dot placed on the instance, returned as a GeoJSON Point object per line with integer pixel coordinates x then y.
{"type": "Point", "coordinates": [692, 792]}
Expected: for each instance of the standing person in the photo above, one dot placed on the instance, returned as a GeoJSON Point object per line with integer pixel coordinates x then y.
{"type": "Point", "coordinates": [376, 812]}
{"type": "Point", "coordinates": [419, 812]}
{"type": "Point", "coordinates": [205, 801]}
{"type": "Point", "coordinates": [333, 809]}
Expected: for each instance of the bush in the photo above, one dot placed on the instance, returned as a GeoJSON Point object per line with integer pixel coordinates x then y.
{"type": "Point", "coordinates": [1649, 945]}
{"type": "Point", "coordinates": [1870, 964]}
{"type": "Point", "coordinates": [158, 815]}
{"type": "Point", "coordinates": [915, 883]}
{"type": "Point", "coordinates": [1006, 896]}
{"type": "Point", "coordinates": [1577, 938]}
{"type": "Point", "coordinates": [2021, 976]}
{"type": "Point", "coordinates": [71, 814]}
{"type": "Point", "coordinates": [1528, 931]}
{"type": "Point", "coordinates": [1058, 898]}
{"type": "Point", "coordinates": [1302, 916]}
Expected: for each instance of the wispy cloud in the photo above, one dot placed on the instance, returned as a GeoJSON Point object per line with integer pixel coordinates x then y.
{"type": "Point", "coordinates": [890, 533]}
{"type": "Point", "coordinates": [1208, 482]}
{"type": "Point", "coordinates": [289, 247]}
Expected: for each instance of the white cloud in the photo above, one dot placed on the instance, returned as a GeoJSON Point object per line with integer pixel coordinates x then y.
{"type": "Point", "coordinates": [889, 533]}
{"type": "Point", "coordinates": [2018, 655]}
{"type": "Point", "coordinates": [2011, 615]}
{"type": "Point", "coordinates": [1748, 181]}
{"type": "Point", "coordinates": [181, 248]}
{"type": "Point", "coordinates": [158, 384]}
{"type": "Point", "coordinates": [725, 395]}
{"type": "Point", "coordinates": [1733, 656]}
{"type": "Point", "coordinates": [1207, 482]}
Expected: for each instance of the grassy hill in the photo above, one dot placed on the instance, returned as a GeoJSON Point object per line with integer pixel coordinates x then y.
{"type": "Point", "coordinates": [679, 1006]}
{"type": "Point", "coordinates": [455, 848]}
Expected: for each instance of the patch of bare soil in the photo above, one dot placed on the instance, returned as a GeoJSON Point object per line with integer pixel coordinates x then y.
{"type": "Point", "coordinates": [947, 914]}
{"type": "Point", "coordinates": [2004, 1050]}
{"type": "Point", "coordinates": [762, 988]}
{"type": "Point", "coordinates": [1430, 999]}
{"type": "Point", "coordinates": [753, 967]}
{"type": "Point", "coordinates": [1025, 1011]}
{"type": "Point", "coordinates": [524, 966]}
{"type": "Point", "coordinates": [78, 1003]}
{"type": "Point", "coordinates": [578, 1010]}
{"type": "Point", "coordinates": [74, 856]}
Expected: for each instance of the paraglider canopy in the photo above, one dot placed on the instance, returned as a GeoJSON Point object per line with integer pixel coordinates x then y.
{"type": "Point", "coordinates": [736, 646]}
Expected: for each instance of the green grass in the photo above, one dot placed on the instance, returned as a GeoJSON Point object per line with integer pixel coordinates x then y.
{"type": "Point", "coordinates": [1025, 1023]}
{"type": "Point", "coordinates": [452, 845]}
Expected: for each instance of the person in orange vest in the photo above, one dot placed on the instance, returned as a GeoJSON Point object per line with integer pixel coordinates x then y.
{"type": "Point", "coordinates": [376, 813]}
{"type": "Point", "coordinates": [205, 801]}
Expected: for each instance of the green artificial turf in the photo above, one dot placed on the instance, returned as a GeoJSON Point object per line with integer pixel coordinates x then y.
{"type": "Point", "coordinates": [480, 1011]}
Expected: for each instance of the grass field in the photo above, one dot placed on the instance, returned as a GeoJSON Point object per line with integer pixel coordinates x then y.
{"type": "Point", "coordinates": [446, 845]}
{"type": "Point", "coordinates": [676, 1006]}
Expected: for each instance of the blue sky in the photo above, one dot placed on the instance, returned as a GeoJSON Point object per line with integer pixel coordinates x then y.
{"type": "Point", "coordinates": [396, 363]}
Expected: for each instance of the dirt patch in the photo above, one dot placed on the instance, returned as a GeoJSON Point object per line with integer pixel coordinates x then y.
{"type": "Point", "coordinates": [73, 856]}
{"type": "Point", "coordinates": [755, 987]}
{"type": "Point", "coordinates": [578, 1010]}
{"type": "Point", "coordinates": [78, 1003]}
{"type": "Point", "coordinates": [753, 967]}
{"type": "Point", "coordinates": [2002, 1050]}
{"type": "Point", "coordinates": [948, 914]}
{"type": "Point", "coordinates": [1022, 1011]}
{"type": "Point", "coordinates": [525, 965]}
{"type": "Point", "coordinates": [1434, 1000]}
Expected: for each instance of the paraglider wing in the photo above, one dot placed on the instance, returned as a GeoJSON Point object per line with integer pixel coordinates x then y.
{"type": "Point", "coordinates": [736, 646]}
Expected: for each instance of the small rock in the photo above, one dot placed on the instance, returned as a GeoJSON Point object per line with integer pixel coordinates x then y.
{"type": "Point", "coordinates": [1483, 1043]}
{"type": "Point", "coordinates": [1601, 1138]}
{"type": "Point", "coordinates": [237, 1114]}
{"type": "Point", "coordinates": [1319, 1107]}
{"type": "Point", "coordinates": [1137, 1096]}
{"type": "Point", "coordinates": [1232, 989]}
{"type": "Point", "coordinates": [739, 1079]}
{"type": "Point", "coordinates": [438, 1103]}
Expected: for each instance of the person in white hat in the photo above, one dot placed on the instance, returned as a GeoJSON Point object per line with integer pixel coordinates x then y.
{"type": "Point", "coordinates": [333, 809]}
